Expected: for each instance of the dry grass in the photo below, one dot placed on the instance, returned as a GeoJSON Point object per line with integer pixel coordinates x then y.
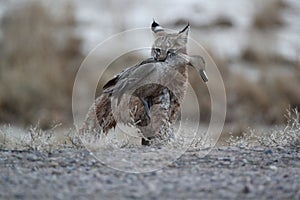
{"type": "Point", "coordinates": [39, 58]}
{"type": "Point", "coordinates": [253, 102]}
{"type": "Point", "coordinates": [40, 54]}
{"type": "Point", "coordinates": [262, 101]}
{"type": "Point", "coordinates": [263, 56]}
{"type": "Point", "coordinates": [36, 139]}
{"type": "Point", "coordinates": [289, 136]}
{"type": "Point", "coordinates": [268, 14]}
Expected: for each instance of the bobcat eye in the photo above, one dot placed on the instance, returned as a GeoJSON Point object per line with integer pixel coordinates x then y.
{"type": "Point", "coordinates": [171, 51]}
{"type": "Point", "coordinates": [157, 50]}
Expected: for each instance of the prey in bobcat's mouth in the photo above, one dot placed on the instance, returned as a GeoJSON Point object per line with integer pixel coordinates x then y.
{"type": "Point", "coordinates": [151, 91]}
{"type": "Point", "coordinates": [169, 45]}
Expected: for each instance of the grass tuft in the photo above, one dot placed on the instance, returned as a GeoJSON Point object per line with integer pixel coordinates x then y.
{"type": "Point", "coordinates": [289, 136]}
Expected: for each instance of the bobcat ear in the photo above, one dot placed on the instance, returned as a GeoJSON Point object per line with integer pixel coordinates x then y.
{"type": "Point", "coordinates": [182, 38]}
{"type": "Point", "coordinates": [185, 30]}
{"type": "Point", "coordinates": [156, 28]}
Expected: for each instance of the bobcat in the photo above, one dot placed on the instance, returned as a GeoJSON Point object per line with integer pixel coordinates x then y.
{"type": "Point", "coordinates": [148, 95]}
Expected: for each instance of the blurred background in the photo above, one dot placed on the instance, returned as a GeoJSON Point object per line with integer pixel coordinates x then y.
{"type": "Point", "coordinates": [255, 44]}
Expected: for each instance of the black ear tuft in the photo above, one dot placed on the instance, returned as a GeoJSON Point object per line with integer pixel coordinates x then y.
{"type": "Point", "coordinates": [156, 28]}
{"type": "Point", "coordinates": [185, 28]}
{"type": "Point", "coordinates": [154, 24]}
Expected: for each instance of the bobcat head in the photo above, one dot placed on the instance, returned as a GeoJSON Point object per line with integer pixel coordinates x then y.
{"type": "Point", "coordinates": [166, 43]}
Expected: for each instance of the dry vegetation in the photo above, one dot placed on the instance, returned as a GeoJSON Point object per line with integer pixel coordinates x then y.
{"type": "Point", "coordinates": [268, 14]}
{"type": "Point", "coordinates": [289, 136]}
{"type": "Point", "coordinates": [40, 54]}
{"type": "Point", "coordinates": [39, 57]}
{"type": "Point", "coordinates": [36, 139]}
{"type": "Point", "coordinates": [265, 100]}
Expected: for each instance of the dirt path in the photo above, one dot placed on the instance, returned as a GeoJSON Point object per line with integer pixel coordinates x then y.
{"type": "Point", "coordinates": [225, 173]}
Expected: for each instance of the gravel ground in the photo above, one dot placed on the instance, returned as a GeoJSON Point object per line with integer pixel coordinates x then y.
{"type": "Point", "coordinates": [225, 173]}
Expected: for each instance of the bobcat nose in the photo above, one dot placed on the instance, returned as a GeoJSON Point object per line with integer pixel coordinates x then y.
{"type": "Point", "coordinates": [160, 56]}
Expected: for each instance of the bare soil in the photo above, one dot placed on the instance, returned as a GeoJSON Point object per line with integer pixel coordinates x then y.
{"type": "Point", "coordinates": [225, 173]}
